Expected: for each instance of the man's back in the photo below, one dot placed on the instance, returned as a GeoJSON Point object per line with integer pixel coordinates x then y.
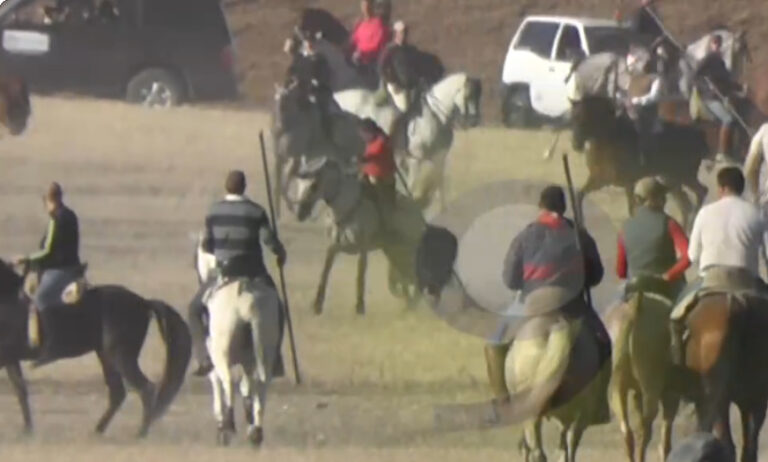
{"type": "Point", "coordinates": [729, 232]}
{"type": "Point", "coordinates": [233, 230]}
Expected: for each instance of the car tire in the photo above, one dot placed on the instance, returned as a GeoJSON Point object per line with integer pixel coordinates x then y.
{"type": "Point", "coordinates": [155, 87]}
{"type": "Point", "coordinates": [516, 109]}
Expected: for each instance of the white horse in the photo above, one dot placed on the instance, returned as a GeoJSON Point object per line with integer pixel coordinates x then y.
{"type": "Point", "coordinates": [427, 133]}
{"type": "Point", "coordinates": [754, 165]}
{"type": "Point", "coordinates": [243, 342]}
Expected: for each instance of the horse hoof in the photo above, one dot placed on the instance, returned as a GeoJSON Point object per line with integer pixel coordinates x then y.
{"type": "Point", "coordinates": [317, 309]}
{"type": "Point", "coordinates": [256, 436]}
{"type": "Point", "coordinates": [360, 309]}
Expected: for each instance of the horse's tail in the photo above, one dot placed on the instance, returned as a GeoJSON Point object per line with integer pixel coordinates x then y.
{"type": "Point", "coordinates": [178, 349]}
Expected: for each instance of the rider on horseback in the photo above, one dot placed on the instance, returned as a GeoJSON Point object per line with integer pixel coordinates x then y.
{"type": "Point", "coordinates": [378, 168]}
{"type": "Point", "coordinates": [234, 230]}
{"type": "Point", "coordinates": [727, 239]}
{"type": "Point", "coordinates": [552, 270]}
{"type": "Point", "coordinates": [311, 72]}
{"type": "Point", "coordinates": [717, 88]}
{"type": "Point", "coordinates": [59, 261]}
{"type": "Point", "coordinates": [652, 243]}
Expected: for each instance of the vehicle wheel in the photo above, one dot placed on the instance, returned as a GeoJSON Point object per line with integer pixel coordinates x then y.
{"type": "Point", "coordinates": [154, 87]}
{"type": "Point", "coordinates": [516, 110]}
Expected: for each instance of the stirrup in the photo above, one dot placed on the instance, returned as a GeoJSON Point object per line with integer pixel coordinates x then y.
{"type": "Point", "coordinates": [33, 329]}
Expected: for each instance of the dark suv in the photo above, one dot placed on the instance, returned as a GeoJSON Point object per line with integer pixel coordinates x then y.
{"type": "Point", "coordinates": [153, 52]}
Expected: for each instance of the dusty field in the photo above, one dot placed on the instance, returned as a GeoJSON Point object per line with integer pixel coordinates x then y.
{"type": "Point", "coordinates": [141, 182]}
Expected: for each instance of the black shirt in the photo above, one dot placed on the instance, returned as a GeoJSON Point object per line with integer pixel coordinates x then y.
{"type": "Point", "coordinates": [60, 246]}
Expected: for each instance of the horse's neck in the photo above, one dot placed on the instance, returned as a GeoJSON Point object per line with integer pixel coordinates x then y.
{"type": "Point", "coordinates": [441, 97]}
{"type": "Point", "coordinates": [345, 199]}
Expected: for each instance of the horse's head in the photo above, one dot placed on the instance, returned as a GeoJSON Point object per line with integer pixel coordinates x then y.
{"type": "Point", "coordinates": [316, 180]}
{"type": "Point", "coordinates": [205, 263]}
{"type": "Point", "coordinates": [470, 98]}
{"type": "Point", "coordinates": [590, 117]}
{"type": "Point", "coordinates": [15, 107]}
{"type": "Point", "coordinates": [10, 281]}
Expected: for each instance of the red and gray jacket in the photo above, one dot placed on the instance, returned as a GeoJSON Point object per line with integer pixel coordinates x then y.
{"type": "Point", "coordinates": [546, 253]}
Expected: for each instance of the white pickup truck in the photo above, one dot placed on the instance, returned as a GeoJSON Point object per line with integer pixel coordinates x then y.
{"type": "Point", "coordinates": [539, 60]}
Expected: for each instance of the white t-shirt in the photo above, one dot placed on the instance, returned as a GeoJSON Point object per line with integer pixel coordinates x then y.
{"type": "Point", "coordinates": [729, 232]}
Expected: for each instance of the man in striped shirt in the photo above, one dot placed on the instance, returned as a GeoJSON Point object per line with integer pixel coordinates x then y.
{"type": "Point", "coordinates": [235, 228]}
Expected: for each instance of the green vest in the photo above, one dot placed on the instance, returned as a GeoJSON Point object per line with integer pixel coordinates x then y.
{"type": "Point", "coordinates": [650, 249]}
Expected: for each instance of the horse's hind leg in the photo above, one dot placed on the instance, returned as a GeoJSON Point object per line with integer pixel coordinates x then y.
{"type": "Point", "coordinates": [649, 408]}
{"type": "Point", "coordinates": [533, 441]}
{"type": "Point", "coordinates": [16, 376]}
{"type": "Point", "coordinates": [618, 394]}
{"type": "Point", "coordinates": [330, 256]}
{"type": "Point", "coordinates": [116, 392]}
{"type": "Point", "coordinates": [362, 267]}
{"type": "Point", "coordinates": [669, 405]}
{"type": "Point", "coordinates": [752, 419]}
{"type": "Point", "coordinates": [575, 433]}
{"type": "Point", "coordinates": [128, 366]}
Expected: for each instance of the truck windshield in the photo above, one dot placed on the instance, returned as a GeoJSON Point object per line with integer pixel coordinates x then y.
{"type": "Point", "coordinates": [607, 38]}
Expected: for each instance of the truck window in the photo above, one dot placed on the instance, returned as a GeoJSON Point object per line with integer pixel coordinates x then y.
{"type": "Point", "coordinates": [538, 37]}
{"type": "Point", "coordinates": [570, 43]}
{"type": "Point", "coordinates": [41, 13]}
{"type": "Point", "coordinates": [602, 39]}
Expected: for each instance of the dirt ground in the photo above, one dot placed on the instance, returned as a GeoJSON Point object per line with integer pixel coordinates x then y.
{"type": "Point", "coordinates": [141, 182]}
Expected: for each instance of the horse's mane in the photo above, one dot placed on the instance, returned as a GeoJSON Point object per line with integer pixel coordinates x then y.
{"type": "Point", "coordinates": [317, 20]}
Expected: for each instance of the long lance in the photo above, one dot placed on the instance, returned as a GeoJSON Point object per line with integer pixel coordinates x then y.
{"type": "Point", "coordinates": [284, 292]}
{"type": "Point", "coordinates": [578, 218]}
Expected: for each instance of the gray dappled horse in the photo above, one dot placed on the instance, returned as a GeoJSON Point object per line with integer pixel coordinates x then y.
{"type": "Point", "coordinates": [355, 226]}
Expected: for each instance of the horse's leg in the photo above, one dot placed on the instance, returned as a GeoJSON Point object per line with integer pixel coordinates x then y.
{"type": "Point", "coordinates": [592, 184]}
{"type": "Point", "coordinates": [265, 331]}
{"type": "Point", "coordinates": [251, 406]}
{"type": "Point", "coordinates": [116, 391]}
{"type": "Point", "coordinates": [128, 366]}
{"type": "Point", "coordinates": [330, 256]}
{"type": "Point", "coordinates": [669, 405]}
{"type": "Point", "coordinates": [222, 436]}
{"type": "Point", "coordinates": [618, 392]}
{"type": "Point", "coordinates": [575, 433]}
{"type": "Point", "coordinates": [534, 441]}
{"type": "Point", "coordinates": [722, 426]}
{"type": "Point", "coordinates": [752, 419]}
{"type": "Point", "coordinates": [16, 376]}
{"type": "Point", "coordinates": [362, 267]}
{"type": "Point", "coordinates": [649, 409]}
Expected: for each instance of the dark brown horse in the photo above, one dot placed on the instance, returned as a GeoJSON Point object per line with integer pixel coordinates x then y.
{"type": "Point", "coordinates": [110, 321]}
{"type": "Point", "coordinates": [15, 108]}
{"type": "Point", "coordinates": [728, 349]}
{"type": "Point", "coordinates": [612, 143]}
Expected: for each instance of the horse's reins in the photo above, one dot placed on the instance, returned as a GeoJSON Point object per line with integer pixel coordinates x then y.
{"type": "Point", "coordinates": [706, 79]}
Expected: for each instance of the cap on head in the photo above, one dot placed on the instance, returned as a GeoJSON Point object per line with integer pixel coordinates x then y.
{"type": "Point", "coordinates": [54, 192]}
{"type": "Point", "coordinates": [553, 199]}
{"type": "Point", "coordinates": [235, 183]}
{"type": "Point", "coordinates": [650, 188]}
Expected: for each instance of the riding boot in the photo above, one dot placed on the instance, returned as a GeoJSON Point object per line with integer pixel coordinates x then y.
{"type": "Point", "coordinates": [46, 353]}
{"type": "Point", "coordinates": [495, 360]}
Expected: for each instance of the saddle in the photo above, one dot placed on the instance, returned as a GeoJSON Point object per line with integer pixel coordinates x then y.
{"type": "Point", "coordinates": [650, 285]}
{"type": "Point", "coordinates": [71, 295]}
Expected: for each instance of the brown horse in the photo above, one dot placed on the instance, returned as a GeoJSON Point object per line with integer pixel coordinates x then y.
{"type": "Point", "coordinates": [728, 349]}
{"type": "Point", "coordinates": [15, 108]}
{"type": "Point", "coordinates": [611, 142]}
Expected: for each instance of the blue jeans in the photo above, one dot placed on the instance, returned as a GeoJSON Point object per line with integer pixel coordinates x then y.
{"type": "Point", "coordinates": [719, 110]}
{"type": "Point", "coordinates": [52, 285]}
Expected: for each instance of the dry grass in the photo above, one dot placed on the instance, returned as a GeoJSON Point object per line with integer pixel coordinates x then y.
{"type": "Point", "coordinates": [141, 182]}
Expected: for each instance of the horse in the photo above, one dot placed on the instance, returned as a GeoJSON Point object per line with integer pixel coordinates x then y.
{"type": "Point", "coordinates": [109, 320]}
{"type": "Point", "coordinates": [641, 364]}
{"type": "Point", "coordinates": [319, 23]}
{"type": "Point", "coordinates": [297, 133]}
{"type": "Point", "coordinates": [758, 149]}
{"type": "Point", "coordinates": [425, 135]}
{"type": "Point", "coordinates": [553, 364]}
{"type": "Point", "coordinates": [356, 228]}
{"type": "Point", "coordinates": [611, 143]}
{"type": "Point", "coordinates": [15, 107]}
{"type": "Point", "coordinates": [727, 350]}
{"type": "Point", "coordinates": [244, 330]}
